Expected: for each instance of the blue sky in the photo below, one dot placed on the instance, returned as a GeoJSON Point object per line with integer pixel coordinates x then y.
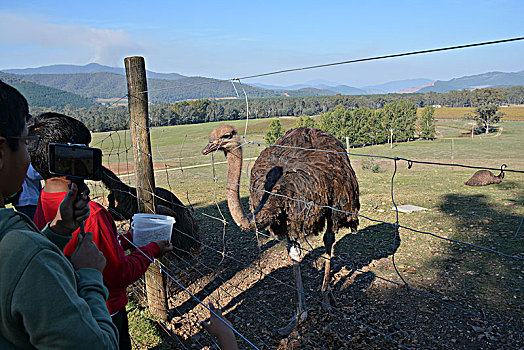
{"type": "Point", "coordinates": [227, 39]}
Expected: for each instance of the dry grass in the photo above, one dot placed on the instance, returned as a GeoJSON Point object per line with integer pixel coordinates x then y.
{"type": "Point", "coordinates": [515, 113]}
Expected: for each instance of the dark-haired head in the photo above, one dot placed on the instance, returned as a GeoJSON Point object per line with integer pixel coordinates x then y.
{"type": "Point", "coordinates": [55, 128]}
{"type": "Point", "coordinates": [13, 113]}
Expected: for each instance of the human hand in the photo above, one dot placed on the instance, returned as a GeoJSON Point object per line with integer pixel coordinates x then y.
{"type": "Point", "coordinates": [219, 327]}
{"type": "Point", "coordinates": [165, 246]}
{"type": "Point", "coordinates": [87, 255]}
{"type": "Point", "coordinates": [72, 212]}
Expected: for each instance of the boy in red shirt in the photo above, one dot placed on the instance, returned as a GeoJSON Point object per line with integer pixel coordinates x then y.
{"type": "Point", "coordinates": [120, 270]}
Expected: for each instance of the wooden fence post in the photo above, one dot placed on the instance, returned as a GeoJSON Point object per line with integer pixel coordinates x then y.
{"type": "Point", "coordinates": [145, 179]}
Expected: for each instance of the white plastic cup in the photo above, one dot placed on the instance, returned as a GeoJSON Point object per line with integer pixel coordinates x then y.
{"type": "Point", "coordinates": [149, 228]}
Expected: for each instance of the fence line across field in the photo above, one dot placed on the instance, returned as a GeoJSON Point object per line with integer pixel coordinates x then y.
{"type": "Point", "coordinates": [307, 203]}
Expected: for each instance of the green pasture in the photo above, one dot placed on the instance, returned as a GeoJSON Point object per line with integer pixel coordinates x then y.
{"type": "Point", "coordinates": [182, 144]}
{"type": "Point", "coordinates": [484, 216]}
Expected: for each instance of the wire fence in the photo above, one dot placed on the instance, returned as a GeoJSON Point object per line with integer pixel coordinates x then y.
{"type": "Point", "coordinates": [248, 275]}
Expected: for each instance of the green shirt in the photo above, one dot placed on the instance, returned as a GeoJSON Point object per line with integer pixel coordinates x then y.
{"type": "Point", "coordinates": [44, 303]}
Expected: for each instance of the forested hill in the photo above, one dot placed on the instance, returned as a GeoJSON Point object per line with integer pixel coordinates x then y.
{"type": "Point", "coordinates": [45, 96]}
{"type": "Point", "coordinates": [491, 79]}
{"type": "Point", "coordinates": [88, 68]}
{"type": "Point", "coordinates": [111, 85]}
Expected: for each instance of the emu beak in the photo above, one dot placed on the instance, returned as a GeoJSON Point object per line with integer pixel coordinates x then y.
{"type": "Point", "coordinates": [212, 146]}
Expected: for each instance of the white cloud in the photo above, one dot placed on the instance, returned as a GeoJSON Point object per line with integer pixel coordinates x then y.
{"type": "Point", "coordinates": [105, 46]}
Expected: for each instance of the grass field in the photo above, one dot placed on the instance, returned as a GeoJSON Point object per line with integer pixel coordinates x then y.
{"type": "Point", "coordinates": [481, 282]}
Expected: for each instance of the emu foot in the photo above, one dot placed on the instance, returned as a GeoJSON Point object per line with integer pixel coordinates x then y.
{"type": "Point", "coordinates": [328, 300]}
{"type": "Point", "coordinates": [296, 320]}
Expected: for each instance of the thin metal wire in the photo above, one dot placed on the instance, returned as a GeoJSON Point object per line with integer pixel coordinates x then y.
{"type": "Point", "coordinates": [410, 53]}
{"type": "Point", "coordinates": [395, 235]}
{"type": "Point", "coordinates": [203, 275]}
{"type": "Point", "coordinates": [381, 57]}
{"type": "Point", "coordinates": [516, 233]}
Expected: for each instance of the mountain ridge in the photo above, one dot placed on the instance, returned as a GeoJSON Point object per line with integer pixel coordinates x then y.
{"type": "Point", "coordinates": [95, 81]}
{"type": "Point", "coordinates": [88, 68]}
{"type": "Point", "coordinates": [487, 79]}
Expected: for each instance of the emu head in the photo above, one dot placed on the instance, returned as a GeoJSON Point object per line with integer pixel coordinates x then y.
{"type": "Point", "coordinates": [502, 167]}
{"type": "Point", "coordinates": [224, 138]}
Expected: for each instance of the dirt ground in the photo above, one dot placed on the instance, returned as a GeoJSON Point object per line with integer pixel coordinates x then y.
{"type": "Point", "coordinates": [254, 285]}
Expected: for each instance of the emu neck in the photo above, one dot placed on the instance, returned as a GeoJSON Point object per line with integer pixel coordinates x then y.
{"type": "Point", "coordinates": [234, 161]}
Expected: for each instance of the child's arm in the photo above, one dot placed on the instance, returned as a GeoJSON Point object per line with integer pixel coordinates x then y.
{"type": "Point", "coordinates": [217, 327]}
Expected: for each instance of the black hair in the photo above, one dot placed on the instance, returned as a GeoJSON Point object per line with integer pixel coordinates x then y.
{"type": "Point", "coordinates": [13, 113]}
{"type": "Point", "coordinates": [54, 128]}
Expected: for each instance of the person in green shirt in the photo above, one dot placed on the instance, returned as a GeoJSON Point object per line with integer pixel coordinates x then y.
{"type": "Point", "coordinates": [46, 301]}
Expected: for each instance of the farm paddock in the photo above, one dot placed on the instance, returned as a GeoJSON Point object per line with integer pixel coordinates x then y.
{"type": "Point", "coordinates": [251, 277]}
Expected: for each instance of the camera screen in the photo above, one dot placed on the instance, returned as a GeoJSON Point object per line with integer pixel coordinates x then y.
{"type": "Point", "coordinates": [74, 161]}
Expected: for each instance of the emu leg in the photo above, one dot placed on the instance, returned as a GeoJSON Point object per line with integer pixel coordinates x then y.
{"type": "Point", "coordinates": [301, 314]}
{"type": "Point", "coordinates": [327, 294]}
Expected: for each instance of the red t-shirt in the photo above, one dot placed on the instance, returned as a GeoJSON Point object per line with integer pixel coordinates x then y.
{"type": "Point", "coordinates": [120, 270]}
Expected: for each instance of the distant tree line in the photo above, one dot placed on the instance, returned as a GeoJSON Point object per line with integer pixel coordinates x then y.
{"type": "Point", "coordinates": [396, 121]}
{"type": "Point", "coordinates": [102, 118]}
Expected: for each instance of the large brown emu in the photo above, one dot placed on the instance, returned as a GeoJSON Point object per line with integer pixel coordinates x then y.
{"type": "Point", "coordinates": [304, 183]}
{"type": "Point", "coordinates": [123, 204]}
{"type": "Point", "coordinates": [486, 177]}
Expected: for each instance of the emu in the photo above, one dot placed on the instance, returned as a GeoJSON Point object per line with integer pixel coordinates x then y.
{"type": "Point", "coordinates": [486, 177]}
{"type": "Point", "coordinates": [123, 204]}
{"type": "Point", "coordinates": [320, 181]}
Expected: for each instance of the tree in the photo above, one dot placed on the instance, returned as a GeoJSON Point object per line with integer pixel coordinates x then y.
{"type": "Point", "coordinates": [427, 128]}
{"type": "Point", "coordinates": [486, 115]}
{"type": "Point", "coordinates": [487, 96]}
{"type": "Point", "coordinates": [99, 125]}
{"type": "Point", "coordinates": [400, 116]}
{"type": "Point", "coordinates": [273, 132]}
{"type": "Point", "coordinates": [304, 120]}
{"type": "Point", "coordinates": [335, 122]}
{"type": "Point", "coordinates": [361, 127]}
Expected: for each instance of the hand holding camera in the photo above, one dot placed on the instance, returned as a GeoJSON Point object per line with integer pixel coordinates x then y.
{"type": "Point", "coordinates": [87, 254]}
